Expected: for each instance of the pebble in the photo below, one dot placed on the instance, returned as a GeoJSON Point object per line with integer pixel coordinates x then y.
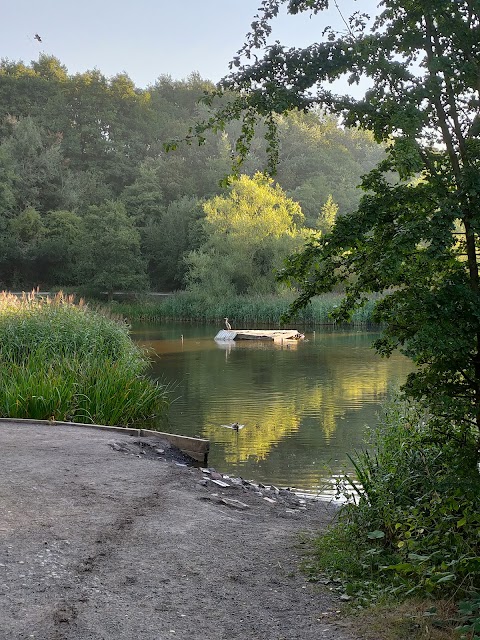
{"type": "Point", "coordinates": [234, 503]}
{"type": "Point", "coordinates": [283, 496]}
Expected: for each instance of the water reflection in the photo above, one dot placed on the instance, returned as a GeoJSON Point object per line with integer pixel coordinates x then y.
{"type": "Point", "coordinates": [304, 405]}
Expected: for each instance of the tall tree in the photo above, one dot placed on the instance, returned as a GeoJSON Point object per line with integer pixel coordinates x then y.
{"type": "Point", "coordinates": [167, 240]}
{"type": "Point", "coordinates": [144, 199]}
{"type": "Point", "coordinates": [327, 216]}
{"type": "Point", "coordinates": [110, 259]}
{"type": "Point", "coordinates": [26, 230]}
{"type": "Point", "coordinates": [248, 232]}
{"type": "Point", "coordinates": [35, 91]}
{"type": "Point", "coordinates": [421, 63]}
{"type": "Point", "coordinates": [59, 248]}
{"type": "Point", "coordinates": [318, 157]}
{"type": "Point", "coordinates": [35, 163]}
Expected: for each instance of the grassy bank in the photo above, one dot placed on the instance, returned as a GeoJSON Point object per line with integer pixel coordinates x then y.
{"type": "Point", "coordinates": [410, 530]}
{"type": "Point", "coordinates": [265, 310]}
{"type": "Point", "coordinates": [63, 361]}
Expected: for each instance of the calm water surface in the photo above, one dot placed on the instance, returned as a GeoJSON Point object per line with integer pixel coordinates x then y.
{"type": "Point", "coordinates": [304, 405]}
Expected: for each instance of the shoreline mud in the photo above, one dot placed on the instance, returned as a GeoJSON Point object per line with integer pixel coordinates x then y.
{"type": "Point", "coordinates": [107, 537]}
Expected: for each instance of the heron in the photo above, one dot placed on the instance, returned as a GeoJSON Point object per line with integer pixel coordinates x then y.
{"type": "Point", "coordinates": [227, 324]}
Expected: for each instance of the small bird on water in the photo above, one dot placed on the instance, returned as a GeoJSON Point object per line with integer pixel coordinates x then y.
{"type": "Point", "coordinates": [228, 326]}
{"type": "Point", "coordinates": [235, 426]}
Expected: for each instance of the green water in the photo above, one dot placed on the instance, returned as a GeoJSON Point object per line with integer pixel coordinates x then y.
{"type": "Point", "coordinates": [304, 405]}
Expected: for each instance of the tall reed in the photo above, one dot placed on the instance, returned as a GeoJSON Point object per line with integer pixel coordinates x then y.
{"type": "Point", "coordinates": [64, 361]}
{"type": "Point", "coordinates": [264, 310]}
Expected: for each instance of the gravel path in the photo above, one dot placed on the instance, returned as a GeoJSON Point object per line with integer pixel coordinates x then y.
{"type": "Point", "coordinates": [104, 538]}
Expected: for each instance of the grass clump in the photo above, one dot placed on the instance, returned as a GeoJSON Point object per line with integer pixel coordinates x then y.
{"type": "Point", "coordinates": [411, 528]}
{"type": "Point", "coordinates": [64, 361]}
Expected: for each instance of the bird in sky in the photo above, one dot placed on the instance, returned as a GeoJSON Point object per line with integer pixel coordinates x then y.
{"type": "Point", "coordinates": [37, 37]}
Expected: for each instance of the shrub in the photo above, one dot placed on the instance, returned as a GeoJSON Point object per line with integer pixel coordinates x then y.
{"type": "Point", "coordinates": [64, 361]}
{"type": "Point", "coordinates": [412, 523]}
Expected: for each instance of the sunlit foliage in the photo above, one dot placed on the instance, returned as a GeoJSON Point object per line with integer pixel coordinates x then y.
{"type": "Point", "coordinates": [248, 234]}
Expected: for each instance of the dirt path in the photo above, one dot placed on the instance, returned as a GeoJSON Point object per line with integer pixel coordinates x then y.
{"type": "Point", "coordinates": [102, 542]}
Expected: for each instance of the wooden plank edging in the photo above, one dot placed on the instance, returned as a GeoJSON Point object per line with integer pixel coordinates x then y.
{"type": "Point", "coordinates": [196, 448]}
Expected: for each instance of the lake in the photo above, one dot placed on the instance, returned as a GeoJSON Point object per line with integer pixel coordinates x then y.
{"type": "Point", "coordinates": [305, 405]}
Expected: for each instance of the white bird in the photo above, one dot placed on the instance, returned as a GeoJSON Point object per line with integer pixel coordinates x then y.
{"type": "Point", "coordinates": [227, 324]}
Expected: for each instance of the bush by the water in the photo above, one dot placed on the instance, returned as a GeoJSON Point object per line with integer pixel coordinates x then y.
{"type": "Point", "coordinates": [64, 361]}
{"type": "Point", "coordinates": [412, 523]}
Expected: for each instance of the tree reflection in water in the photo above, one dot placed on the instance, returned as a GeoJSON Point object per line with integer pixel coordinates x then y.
{"type": "Point", "coordinates": [305, 405]}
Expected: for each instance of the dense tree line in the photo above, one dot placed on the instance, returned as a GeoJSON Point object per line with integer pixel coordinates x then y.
{"type": "Point", "coordinates": [88, 195]}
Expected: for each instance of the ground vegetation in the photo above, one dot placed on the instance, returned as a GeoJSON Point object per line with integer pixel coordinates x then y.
{"type": "Point", "coordinates": [63, 361]}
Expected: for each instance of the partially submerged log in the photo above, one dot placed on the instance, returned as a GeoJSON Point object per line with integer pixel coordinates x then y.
{"type": "Point", "coordinates": [277, 335]}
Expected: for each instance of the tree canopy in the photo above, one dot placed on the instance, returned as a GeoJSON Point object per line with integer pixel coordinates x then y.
{"type": "Point", "coordinates": [415, 235]}
{"type": "Point", "coordinates": [247, 234]}
{"type": "Point", "coordinates": [72, 142]}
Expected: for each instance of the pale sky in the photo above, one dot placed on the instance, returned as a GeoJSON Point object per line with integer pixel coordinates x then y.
{"type": "Point", "coordinates": [148, 38]}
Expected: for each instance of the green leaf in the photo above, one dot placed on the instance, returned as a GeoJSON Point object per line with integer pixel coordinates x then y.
{"type": "Point", "coordinates": [401, 567]}
{"type": "Point", "coordinates": [375, 535]}
{"type": "Point", "coordinates": [447, 578]}
{"type": "Point", "coordinates": [418, 557]}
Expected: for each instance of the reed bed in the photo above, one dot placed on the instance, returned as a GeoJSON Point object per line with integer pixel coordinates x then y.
{"type": "Point", "coordinates": [265, 310]}
{"type": "Point", "coordinates": [65, 361]}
